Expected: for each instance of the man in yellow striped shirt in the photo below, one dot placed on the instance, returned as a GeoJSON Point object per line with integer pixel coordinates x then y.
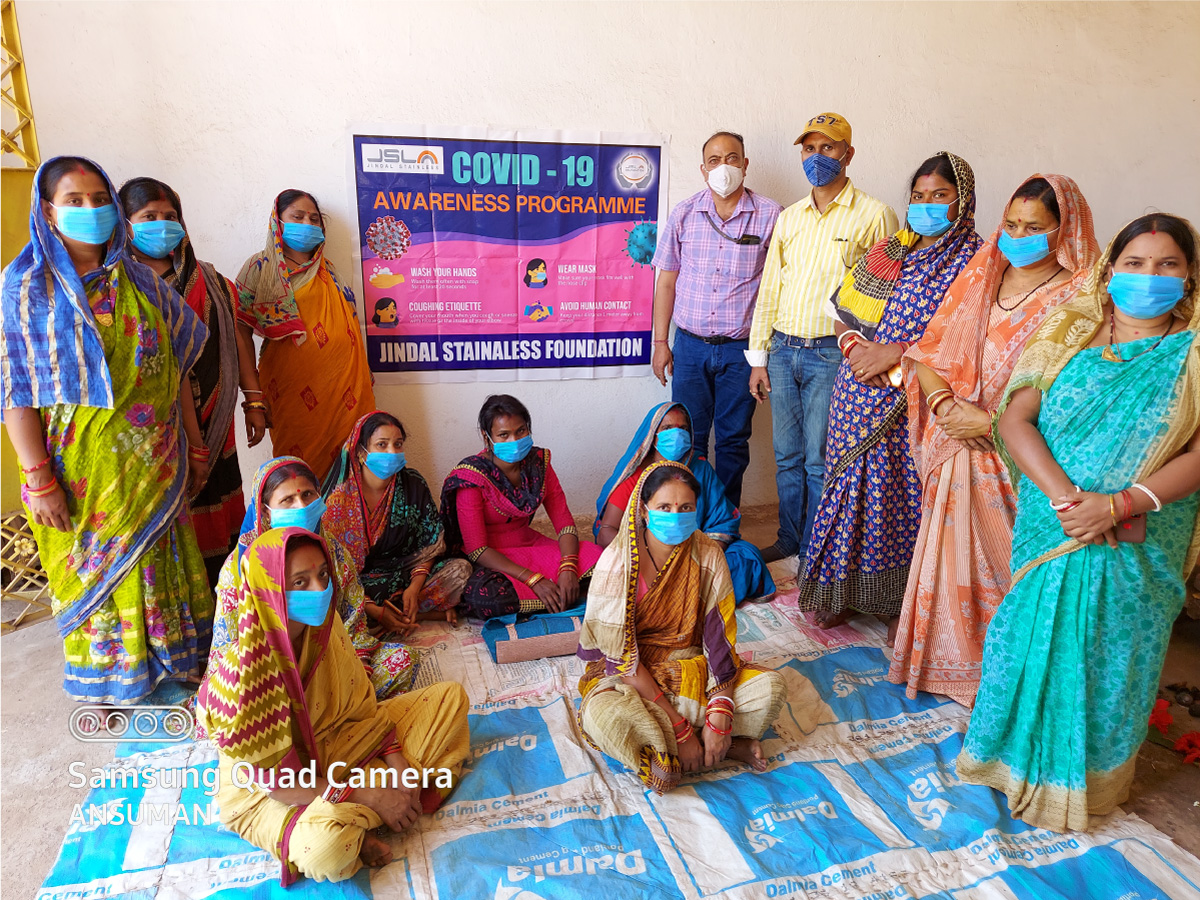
{"type": "Point", "coordinates": [793, 352]}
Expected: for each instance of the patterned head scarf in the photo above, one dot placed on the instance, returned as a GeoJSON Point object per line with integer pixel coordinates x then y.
{"type": "Point", "coordinates": [862, 296]}
{"type": "Point", "coordinates": [253, 697]}
{"type": "Point", "coordinates": [50, 347]}
{"type": "Point", "coordinates": [267, 298]}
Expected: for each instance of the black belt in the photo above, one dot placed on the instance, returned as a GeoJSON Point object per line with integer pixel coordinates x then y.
{"type": "Point", "coordinates": [715, 339]}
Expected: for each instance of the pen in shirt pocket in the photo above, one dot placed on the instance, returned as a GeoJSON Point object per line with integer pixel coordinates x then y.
{"type": "Point", "coordinates": [842, 240]}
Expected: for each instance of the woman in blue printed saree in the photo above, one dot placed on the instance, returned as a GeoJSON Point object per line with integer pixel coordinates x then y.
{"type": "Point", "coordinates": [866, 525]}
{"type": "Point", "coordinates": [95, 347]}
{"type": "Point", "coordinates": [1102, 418]}
{"type": "Point", "coordinates": [666, 433]}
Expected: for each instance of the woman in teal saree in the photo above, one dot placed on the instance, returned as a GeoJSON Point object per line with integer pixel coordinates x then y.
{"type": "Point", "coordinates": [1102, 418]}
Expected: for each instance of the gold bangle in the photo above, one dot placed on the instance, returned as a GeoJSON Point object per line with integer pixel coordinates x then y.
{"type": "Point", "coordinates": [534, 579]}
{"type": "Point", "coordinates": [1112, 508]}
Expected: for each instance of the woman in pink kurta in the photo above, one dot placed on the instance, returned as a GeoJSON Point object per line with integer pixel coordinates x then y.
{"type": "Point", "coordinates": [488, 503]}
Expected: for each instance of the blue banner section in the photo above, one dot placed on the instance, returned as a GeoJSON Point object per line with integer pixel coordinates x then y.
{"type": "Point", "coordinates": [1100, 874]}
{"type": "Point", "coordinates": [434, 353]}
{"type": "Point", "coordinates": [854, 684]}
{"type": "Point", "coordinates": [614, 857]}
{"type": "Point", "coordinates": [786, 822]}
{"type": "Point", "coordinates": [920, 793]}
{"type": "Point", "coordinates": [503, 190]}
{"type": "Point", "coordinates": [511, 754]}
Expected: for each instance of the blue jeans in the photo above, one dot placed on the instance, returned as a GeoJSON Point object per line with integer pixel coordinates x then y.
{"type": "Point", "coordinates": [801, 387]}
{"type": "Point", "coordinates": [713, 381]}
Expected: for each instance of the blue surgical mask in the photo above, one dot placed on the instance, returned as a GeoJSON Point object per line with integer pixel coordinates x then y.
{"type": "Point", "coordinates": [673, 443]}
{"type": "Point", "coordinates": [513, 451]}
{"type": "Point", "coordinates": [1025, 251]}
{"type": "Point", "coordinates": [310, 607]}
{"type": "Point", "coordinates": [671, 527]}
{"type": "Point", "coordinates": [929, 219]}
{"type": "Point", "coordinates": [384, 465]}
{"type": "Point", "coordinates": [156, 239]}
{"type": "Point", "coordinates": [538, 276]}
{"type": "Point", "coordinates": [86, 224]}
{"type": "Point", "coordinates": [822, 170]}
{"type": "Point", "coordinates": [302, 236]}
{"type": "Point", "coordinates": [306, 517]}
{"type": "Point", "coordinates": [1145, 296]}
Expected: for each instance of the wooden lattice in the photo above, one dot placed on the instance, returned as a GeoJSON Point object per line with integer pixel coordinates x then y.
{"type": "Point", "coordinates": [24, 580]}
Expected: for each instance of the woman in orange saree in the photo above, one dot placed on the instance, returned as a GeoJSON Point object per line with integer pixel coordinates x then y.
{"type": "Point", "coordinates": [313, 368]}
{"type": "Point", "coordinates": [1035, 261]}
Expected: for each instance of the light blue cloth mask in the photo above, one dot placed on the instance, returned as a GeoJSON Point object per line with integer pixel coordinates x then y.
{"type": "Point", "coordinates": [672, 527]}
{"type": "Point", "coordinates": [929, 219]}
{"type": "Point", "coordinates": [306, 517]}
{"type": "Point", "coordinates": [513, 451]}
{"type": "Point", "coordinates": [1145, 296]}
{"type": "Point", "coordinates": [384, 465]}
{"type": "Point", "coordinates": [310, 607]}
{"type": "Point", "coordinates": [156, 239]}
{"type": "Point", "coordinates": [302, 236]}
{"type": "Point", "coordinates": [673, 443]}
{"type": "Point", "coordinates": [86, 224]}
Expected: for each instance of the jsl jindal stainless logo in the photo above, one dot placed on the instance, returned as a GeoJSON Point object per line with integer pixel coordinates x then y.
{"type": "Point", "coordinates": [402, 158]}
{"type": "Point", "coordinates": [635, 171]}
{"type": "Point", "coordinates": [152, 724]}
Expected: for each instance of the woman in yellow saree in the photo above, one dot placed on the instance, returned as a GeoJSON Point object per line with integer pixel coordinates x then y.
{"type": "Point", "coordinates": [665, 691]}
{"type": "Point", "coordinates": [313, 367]}
{"type": "Point", "coordinates": [289, 696]}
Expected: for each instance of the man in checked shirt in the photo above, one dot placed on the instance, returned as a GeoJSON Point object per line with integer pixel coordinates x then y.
{"type": "Point", "coordinates": [709, 259]}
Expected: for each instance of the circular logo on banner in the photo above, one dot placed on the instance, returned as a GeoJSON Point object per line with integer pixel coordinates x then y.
{"type": "Point", "coordinates": [634, 171]}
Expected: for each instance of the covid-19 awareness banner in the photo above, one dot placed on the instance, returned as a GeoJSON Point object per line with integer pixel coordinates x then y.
{"type": "Point", "coordinates": [505, 255]}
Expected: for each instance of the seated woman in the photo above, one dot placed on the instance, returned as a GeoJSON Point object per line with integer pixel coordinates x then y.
{"type": "Point", "coordinates": [288, 693]}
{"type": "Point", "coordinates": [1102, 418]}
{"type": "Point", "coordinates": [285, 493]}
{"type": "Point", "coordinates": [382, 512]}
{"type": "Point", "coordinates": [662, 596]}
{"type": "Point", "coordinates": [666, 433]}
{"type": "Point", "coordinates": [488, 501]}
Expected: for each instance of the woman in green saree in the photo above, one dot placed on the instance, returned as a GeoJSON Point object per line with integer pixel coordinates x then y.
{"type": "Point", "coordinates": [1102, 418]}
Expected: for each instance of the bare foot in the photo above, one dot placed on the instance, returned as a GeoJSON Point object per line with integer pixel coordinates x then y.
{"type": "Point", "coordinates": [748, 751]}
{"type": "Point", "coordinates": [375, 850]}
{"type": "Point", "coordinates": [827, 618]}
{"type": "Point", "coordinates": [893, 624]}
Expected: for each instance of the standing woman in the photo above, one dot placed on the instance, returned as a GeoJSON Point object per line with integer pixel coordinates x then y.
{"type": "Point", "coordinates": [159, 239]}
{"type": "Point", "coordinates": [1102, 417]}
{"type": "Point", "coordinates": [314, 363]}
{"type": "Point", "coordinates": [383, 513]}
{"type": "Point", "coordinates": [96, 350]}
{"type": "Point", "coordinates": [866, 524]}
{"type": "Point", "coordinates": [488, 502]}
{"type": "Point", "coordinates": [1035, 261]}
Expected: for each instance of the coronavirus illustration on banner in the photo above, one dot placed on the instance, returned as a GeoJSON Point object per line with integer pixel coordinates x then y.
{"type": "Point", "coordinates": [500, 255]}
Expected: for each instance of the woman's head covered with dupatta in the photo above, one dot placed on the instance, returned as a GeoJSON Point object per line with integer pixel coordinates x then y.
{"type": "Point", "coordinates": [285, 482]}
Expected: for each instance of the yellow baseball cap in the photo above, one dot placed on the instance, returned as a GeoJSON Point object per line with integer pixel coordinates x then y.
{"type": "Point", "coordinates": [829, 124]}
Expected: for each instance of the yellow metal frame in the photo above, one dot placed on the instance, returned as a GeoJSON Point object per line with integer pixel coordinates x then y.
{"type": "Point", "coordinates": [21, 141]}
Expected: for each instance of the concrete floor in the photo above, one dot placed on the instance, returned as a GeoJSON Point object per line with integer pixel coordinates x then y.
{"type": "Point", "coordinates": [36, 748]}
